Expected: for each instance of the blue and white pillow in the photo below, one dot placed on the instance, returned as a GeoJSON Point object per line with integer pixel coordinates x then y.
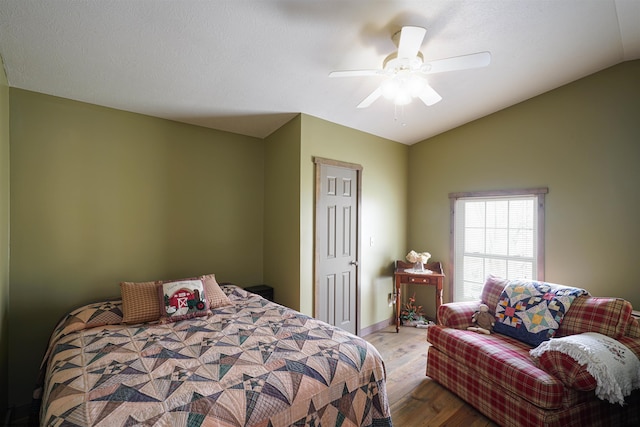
{"type": "Point", "coordinates": [532, 311]}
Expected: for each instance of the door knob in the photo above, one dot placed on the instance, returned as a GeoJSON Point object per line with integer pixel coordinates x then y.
{"type": "Point", "coordinates": [353, 262]}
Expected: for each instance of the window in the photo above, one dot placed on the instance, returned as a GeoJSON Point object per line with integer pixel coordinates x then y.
{"type": "Point", "coordinates": [499, 233]}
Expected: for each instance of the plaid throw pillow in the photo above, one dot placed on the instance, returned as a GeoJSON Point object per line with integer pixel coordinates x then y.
{"type": "Point", "coordinates": [212, 292]}
{"type": "Point", "coordinates": [140, 302]}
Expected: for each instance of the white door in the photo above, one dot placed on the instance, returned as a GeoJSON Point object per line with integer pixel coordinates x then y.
{"type": "Point", "coordinates": [337, 198]}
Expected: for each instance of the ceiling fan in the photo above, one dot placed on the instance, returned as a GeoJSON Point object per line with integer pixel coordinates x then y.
{"type": "Point", "coordinates": [406, 71]}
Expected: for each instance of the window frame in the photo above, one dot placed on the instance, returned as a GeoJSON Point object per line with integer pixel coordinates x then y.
{"type": "Point", "coordinates": [538, 192]}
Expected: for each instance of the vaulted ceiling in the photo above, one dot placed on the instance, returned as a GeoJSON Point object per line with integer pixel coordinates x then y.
{"type": "Point", "coordinates": [249, 66]}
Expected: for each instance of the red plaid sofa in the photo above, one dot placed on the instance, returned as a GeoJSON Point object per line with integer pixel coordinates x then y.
{"type": "Point", "coordinates": [495, 373]}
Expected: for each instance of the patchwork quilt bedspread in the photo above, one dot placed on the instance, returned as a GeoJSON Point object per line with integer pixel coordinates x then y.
{"type": "Point", "coordinates": [252, 363]}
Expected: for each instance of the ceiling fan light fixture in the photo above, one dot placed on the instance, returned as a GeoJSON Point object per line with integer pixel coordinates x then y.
{"type": "Point", "coordinates": [415, 84]}
{"type": "Point", "coordinates": [402, 98]}
{"type": "Point", "coordinates": [390, 88]}
{"type": "Point", "coordinates": [403, 87]}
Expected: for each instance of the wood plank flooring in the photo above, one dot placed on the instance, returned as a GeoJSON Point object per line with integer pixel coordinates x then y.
{"type": "Point", "coordinates": [415, 399]}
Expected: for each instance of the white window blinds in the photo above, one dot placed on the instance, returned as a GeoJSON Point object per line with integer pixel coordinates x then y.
{"type": "Point", "coordinates": [495, 234]}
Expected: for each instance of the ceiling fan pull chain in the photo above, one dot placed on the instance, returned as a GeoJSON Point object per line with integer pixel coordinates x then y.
{"type": "Point", "coordinates": [395, 114]}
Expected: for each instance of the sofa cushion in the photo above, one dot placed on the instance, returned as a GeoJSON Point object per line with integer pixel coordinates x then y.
{"type": "Point", "coordinates": [607, 316]}
{"type": "Point", "coordinates": [492, 290]}
{"type": "Point", "coordinates": [504, 360]}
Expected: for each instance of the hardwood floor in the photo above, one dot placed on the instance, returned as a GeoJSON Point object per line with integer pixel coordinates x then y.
{"type": "Point", "coordinates": [415, 399]}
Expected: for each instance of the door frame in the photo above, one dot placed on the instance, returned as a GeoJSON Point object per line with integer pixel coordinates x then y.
{"type": "Point", "coordinates": [319, 163]}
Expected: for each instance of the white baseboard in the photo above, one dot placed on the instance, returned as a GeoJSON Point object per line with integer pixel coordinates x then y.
{"type": "Point", "coordinates": [376, 327]}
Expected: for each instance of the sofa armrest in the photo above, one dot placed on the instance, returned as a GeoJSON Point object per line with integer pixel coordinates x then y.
{"type": "Point", "coordinates": [457, 314]}
{"type": "Point", "coordinates": [570, 372]}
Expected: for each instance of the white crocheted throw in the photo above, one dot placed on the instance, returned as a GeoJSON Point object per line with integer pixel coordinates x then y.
{"type": "Point", "coordinates": [615, 368]}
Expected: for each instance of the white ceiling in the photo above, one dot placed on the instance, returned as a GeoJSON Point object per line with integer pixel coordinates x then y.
{"type": "Point", "coordinates": [250, 66]}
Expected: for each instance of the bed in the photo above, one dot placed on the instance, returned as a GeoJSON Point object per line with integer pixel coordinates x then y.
{"type": "Point", "coordinates": [251, 362]}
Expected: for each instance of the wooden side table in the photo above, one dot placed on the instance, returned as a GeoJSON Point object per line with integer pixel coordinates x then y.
{"type": "Point", "coordinates": [436, 278]}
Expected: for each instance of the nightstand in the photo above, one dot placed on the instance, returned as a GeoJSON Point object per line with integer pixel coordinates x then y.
{"type": "Point", "coordinates": [263, 290]}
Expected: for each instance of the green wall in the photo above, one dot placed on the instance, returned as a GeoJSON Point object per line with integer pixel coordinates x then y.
{"type": "Point", "coordinates": [582, 141]}
{"type": "Point", "coordinates": [282, 213]}
{"type": "Point", "coordinates": [384, 215]}
{"type": "Point", "coordinates": [4, 235]}
{"type": "Point", "coordinates": [99, 196]}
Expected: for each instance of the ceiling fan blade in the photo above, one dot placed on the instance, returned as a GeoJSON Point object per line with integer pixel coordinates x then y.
{"type": "Point", "coordinates": [410, 41]}
{"type": "Point", "coordinates": [355, 73]}
{"type": "Point", "coordinates": [429, 96]}
{"type": "Point", "coordinates": [474, 60]}
{"type": "Point", "coordinates": [371, 98]}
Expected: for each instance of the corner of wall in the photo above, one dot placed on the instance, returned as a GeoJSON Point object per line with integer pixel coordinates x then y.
{"type": "Point", "coordinates": [4, 235]}
{"type": "Point", "coordinates": [282, 213]}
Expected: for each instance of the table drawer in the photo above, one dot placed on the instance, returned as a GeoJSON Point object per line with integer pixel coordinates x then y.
{"type": "Point", "coordinates": [423, 280]}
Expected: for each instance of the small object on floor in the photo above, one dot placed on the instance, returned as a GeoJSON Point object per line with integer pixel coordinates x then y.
{"type": "Point", "coordinates": [425, 324]}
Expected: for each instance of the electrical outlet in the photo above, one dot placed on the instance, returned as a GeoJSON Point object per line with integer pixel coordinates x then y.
{"type": "Point", "coordinates": [390, 299]}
